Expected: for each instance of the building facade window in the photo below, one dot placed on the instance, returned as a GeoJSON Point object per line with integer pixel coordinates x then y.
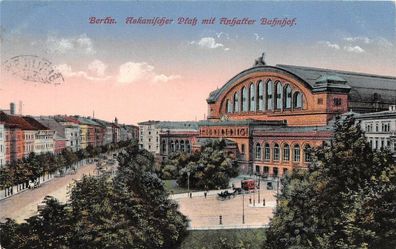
{"type": "Point", "coordinates": [260, 90]}
{"type": "Point", "coordinates": [286, 153]}
{"type": "Point", "coordinates": [307, 154]}
{"type": "Point", "coordinates": [297, 100]}
{"type": "Point", "coordinates": [267, 152]}
{"type": "Point", "coordinates": [257, 169]}
{"type": "Point", "coordinates": [337, 102]}
{"type": "Point", "coordinates": [278, 99]}
{"type": "Point", "coordinates": [236, 102]}
{"type": "Point", "coordinates": [276, 152]}
{"type": "Point", "coordinates": [269, 93]}
{"type": "Point", "coordinates": [258, 151]}
{"type": "Point", "coordinates": [275, 171]}
{"type": "Point", "coordinates": [288, 97]}
{"type": "Point", "coordinates": [296, 153]}
{"type": "Point", "coordinates": [244, 99]}
{"type": "Point", "coordinates": [252, 95]}
{"type": "Point", "coordinates": [228, 106]}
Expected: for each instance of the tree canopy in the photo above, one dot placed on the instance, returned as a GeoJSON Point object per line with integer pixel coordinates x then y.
{"type": "Point", "coordinates": [211, 167]}
{"type": "Point", "coordinates": [131, 210]}
{"type": "Point", "coordinates": [346, 199]}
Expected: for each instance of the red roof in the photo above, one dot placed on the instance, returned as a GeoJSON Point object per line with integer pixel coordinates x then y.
{"type": "Point", "coordinates": [34, 123]}
{"type": "Point", "coordinates": [70, 119]}
{"type": "Point", "coordinates": [12, 120]}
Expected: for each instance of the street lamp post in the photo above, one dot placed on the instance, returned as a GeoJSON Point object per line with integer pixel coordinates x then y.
{"type": "Point", "coordinates": [277, 191]}
{"type": "Point", "coordinates": [243, 207]}
{"type": "Point", "coordinates": [188, 181]}
{"type": "Point", "coordinates": [258, 176]}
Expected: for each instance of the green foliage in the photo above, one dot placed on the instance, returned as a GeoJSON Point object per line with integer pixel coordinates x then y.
{"type": "Point", "coordinates": [210, 168]}
{"type": "Point", "coordinates": [227, 239]}
{"type": "Point", "coordinates": [50, 229]}
{"type": "Point", "coordinates": [346, 199]}
{"type": "Point", "coordinates": [36, 165]}
{"type": "Point", "coordinates": [131, 210]}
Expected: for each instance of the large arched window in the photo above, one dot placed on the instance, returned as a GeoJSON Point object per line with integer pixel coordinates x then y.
{"type": "Point", "coordinates": [177, 146]}
{"type": "Point", "coordinates": [260, 90]}
{"type": "Point", "coordinates": [236, 102]}
{"type": "Point", "coordinates": [269, 92]}
{"type": "Point", "coordinates": [278, 96]}
{"type": "Point", "coordinates": [188, 146]}
{"type": "Point", "coordinates": [258, 151]}
{"type": "Point", "coordinates": [267, 152]}
{"type": "Point", "coordinates": [276, 152]}
{"type": "Point", "coordinates": [182, 145]}
{"type": "Point", "coordinates": [244, 99]}
{"type": "Point", "coordinates": [297, 100]}
{"type": "Point", "coordinates": [163, 146]}
{"type": "Point", "coordinates": [296, 153]}
{"type": "Point", "coordinates": [228, 106]}
{"type": "Point", "coordinates": [286, 153]}
{"type": "Point", "coordinates": [252, 94]}
{"type": "Point", "coordinates": [307, 154]}
{"type": "Point", "coordinates": [172, 146]}
{"type": "Point", "coordinates": [288, 97]}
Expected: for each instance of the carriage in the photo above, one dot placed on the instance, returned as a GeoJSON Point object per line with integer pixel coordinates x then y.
{"type": "Point", "coordinates": [228, 195]}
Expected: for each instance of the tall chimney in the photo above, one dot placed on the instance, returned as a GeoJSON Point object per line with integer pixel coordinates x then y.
{"type": "Point", "coordinates": [12, 108]}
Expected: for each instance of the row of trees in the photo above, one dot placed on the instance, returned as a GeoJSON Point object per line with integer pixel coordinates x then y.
{"type": "Point", "coordinates": [35, 165]}
{"type": "Point", "coordinates": [131, 210]}
{"type": "Point", "coordinates": [346, 199]}
{"type": "Point", "coordinates": [209, 168]}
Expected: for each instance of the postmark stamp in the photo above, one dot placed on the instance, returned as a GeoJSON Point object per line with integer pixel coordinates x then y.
{"type": "Point", "coordinates": [33, 68]}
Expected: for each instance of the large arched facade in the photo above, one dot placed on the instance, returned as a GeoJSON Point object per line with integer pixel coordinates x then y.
{"type": "Point", "coordinates": [273, 115]}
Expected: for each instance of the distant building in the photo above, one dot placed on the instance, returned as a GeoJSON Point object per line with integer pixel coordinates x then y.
{"type": "Point", "coordinates": [64, 129]}
{"type": "Point", "coordinates": [44, 137]}
{"type": "Point", "coordinates": [116, 131]}
{"type": "Point", "coordinates": [107, 129]}
{"type": "Point", "coordinates": [149, 136]}
{"type": "Point", "coordinates": [380, 129]}
{"type": "Point", "coordinates": [133, 132]}
{"type": "Point", "coordinates": [176, 137]}
{"type": "Point", "coordinates": [2, 146]}
{"type": "Point", "coordinates": [59, 143]}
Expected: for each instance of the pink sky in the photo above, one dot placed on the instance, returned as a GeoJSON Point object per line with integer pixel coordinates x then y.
{"type": "Point", "coordinates": [137, 73]}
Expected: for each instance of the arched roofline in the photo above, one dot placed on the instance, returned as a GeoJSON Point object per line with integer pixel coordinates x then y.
{"type": "Point", "coordinates": [214, 96]}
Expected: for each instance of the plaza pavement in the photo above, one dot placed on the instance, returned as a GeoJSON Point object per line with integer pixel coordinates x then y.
{"type": "Point", "coordinates": [204, 213]}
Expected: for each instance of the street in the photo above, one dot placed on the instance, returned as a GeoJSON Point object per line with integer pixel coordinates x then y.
{"type": "Point", "coordinates": [24, 205]}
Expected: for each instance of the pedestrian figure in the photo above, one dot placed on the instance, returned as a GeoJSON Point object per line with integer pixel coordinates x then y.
{"type": "Point", "coordinates": [205, 193]}
{"type": "Point", "coordinates": [190, 195]}
{"type": "Point", "coordinates": [250, 200]}
{"type": "Point", "coordinates": [263, 202]}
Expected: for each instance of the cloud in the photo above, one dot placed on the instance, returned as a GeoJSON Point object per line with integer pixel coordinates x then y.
{"type": "Point", "coordinates": [97, 67]}
{"type": "Point", "coordinates": [222, 34]}
{"type": "Point", "coordinates": [354, 49]}
{"type": "Point", "coordinates": [81, 44]}
{"type": "Point", "coordinates": [330, 45]}
{"type": "Point", "coordinates": [380, 41]}
{"type": "Point", "coordinates": [209, 43]}
{"type": "Point", "coordinates": [131, 72]}
{"type": "Point", "coordinates": [258, 37]}
{"type": "Point", "coordinates": [358, 39]}
{"type": "Point", "coordinates": [97, 71]}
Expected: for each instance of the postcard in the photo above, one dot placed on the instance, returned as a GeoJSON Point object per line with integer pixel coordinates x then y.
{"type": "Point", "coordinates": [197, 124]}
